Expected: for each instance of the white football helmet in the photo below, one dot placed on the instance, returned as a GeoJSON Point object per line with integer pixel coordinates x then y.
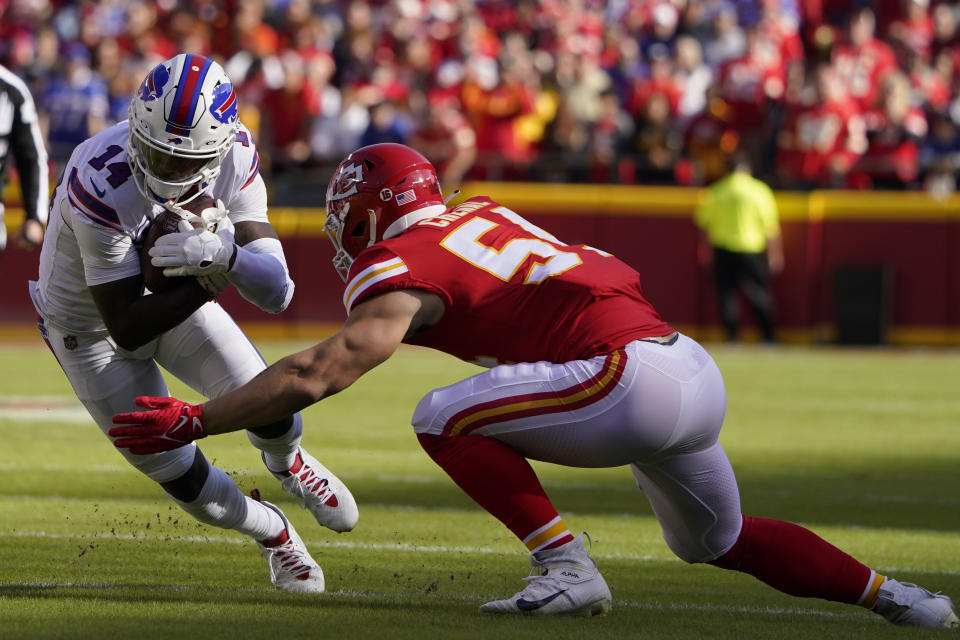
{"type": "Point", "coordinates": [183, 121]}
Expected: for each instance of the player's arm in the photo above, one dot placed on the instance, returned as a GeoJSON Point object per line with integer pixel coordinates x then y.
{"type": "Point", "coordinates": [28, 149]}
{"type": "Point", "coordinates": [134, 319]}
{"type": "Point", "coordinates": [372, 332]}
{"type": "Point", "coordinates": [259, 270]}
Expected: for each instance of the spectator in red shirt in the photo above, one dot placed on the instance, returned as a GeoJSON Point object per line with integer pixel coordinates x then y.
{"type": "Point", "coordinates": [821, 138]}
{"type": "Point", "coordinates": [660, 81]}
{"type": "Point", "coordinates": [894, 131]}
{"type": "Point", "coordinates": [929, 87]}
{"type": "Point", "coordinates": [287, 114]}
{"type": "Point", "coordinates": [446, 138]}
{"type": "Point", "coordinates": [494, 98]}
{"type": "Point", "coordinates": [863, 61]}
{"type": "Point", "coordinates": [781, 30]}
{"type": "Point", "coordinates": [749, 84]}
{"type": "Point", "coordinates": [915, 29]}
{"type": "Point", "coordinates": [709, 140]}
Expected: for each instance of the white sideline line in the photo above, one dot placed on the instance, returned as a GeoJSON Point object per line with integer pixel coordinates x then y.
{"type": "Point", "coordinates": [50, 398]}
{"type": "Point", "coordinates": [407, 508]}
{"type": "Point", "coordinates": [394, 546]}
{"type": "Point", "coordinates": [45, 415]}
{"type": "Point", "coordinates": [151, 501]}
{"type": "Point", "coordinates": [338, 544]}
{"type": "Point", "coordinates": [60, 408]}
{"type": "Point", "coordinates": [424, 480]}
{"type": "Point", "coordinates": [375, 595]}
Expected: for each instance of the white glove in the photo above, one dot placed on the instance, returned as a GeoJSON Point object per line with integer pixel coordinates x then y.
{"type": "Point", "coordinates": [197, 252]}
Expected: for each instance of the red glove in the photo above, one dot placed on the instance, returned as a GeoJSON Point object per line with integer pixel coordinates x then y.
{"type": "Point", "coordinates": [169, 424]}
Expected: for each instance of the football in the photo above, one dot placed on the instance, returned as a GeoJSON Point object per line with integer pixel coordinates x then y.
{"type": "Point", "coordinates": [166, 222]}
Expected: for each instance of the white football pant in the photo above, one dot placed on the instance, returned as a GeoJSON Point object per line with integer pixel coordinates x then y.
{"type": "Point", "coordinates": [207, 351]}
{"type": "Point", "coordinates": [655, 407]}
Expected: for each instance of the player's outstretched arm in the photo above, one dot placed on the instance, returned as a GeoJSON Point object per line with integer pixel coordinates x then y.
{"type": "Point", "coordinates": [370, 335]}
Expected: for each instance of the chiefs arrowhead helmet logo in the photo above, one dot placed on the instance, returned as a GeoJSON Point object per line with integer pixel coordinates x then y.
{"type": "Point", "coordinates": [346, 183]}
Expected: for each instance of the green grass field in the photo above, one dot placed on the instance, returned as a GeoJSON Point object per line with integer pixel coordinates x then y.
{"type": "Point", "coordinates": [861, 446]}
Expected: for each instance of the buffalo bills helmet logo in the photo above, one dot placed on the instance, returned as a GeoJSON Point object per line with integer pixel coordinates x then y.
{"type": "Point", "coordinates": [152, 86]}
{"type": "Point", "coordinates": [223, 106]}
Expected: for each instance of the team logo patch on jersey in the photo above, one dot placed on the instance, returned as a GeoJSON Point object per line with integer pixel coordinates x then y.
{"type": "Point", "coordinates": [223, 106]}
{"type": "Point", "coordinates": [70, 342]}
{"type": "Point", "coordinates": [406, 197]}
{"type": "Point", "coordinates": [152, 86]}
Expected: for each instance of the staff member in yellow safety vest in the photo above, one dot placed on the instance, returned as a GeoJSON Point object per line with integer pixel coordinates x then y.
{"type": "Point", "coordinates": [741, 237]}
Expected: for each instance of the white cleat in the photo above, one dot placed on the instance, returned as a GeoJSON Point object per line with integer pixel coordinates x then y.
{"type": "Point", "coordinates": [909, 605]}
{"type": "Point", "coordinates": [564, 582]}
{"type": "Point", "coordinates": [291, 566]}
{"type": "Point", "coordinates": [322, 493]}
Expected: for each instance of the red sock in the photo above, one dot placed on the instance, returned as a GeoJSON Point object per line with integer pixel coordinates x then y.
{"type": "Point", "coordinates": [797, 561]}
{"type": "Point", "coordinates": [501, 481]}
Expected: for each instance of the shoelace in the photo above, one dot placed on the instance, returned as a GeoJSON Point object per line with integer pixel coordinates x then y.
{"type": "Point", "coordinates": [536, 573]}
{"type": "Point", "coordinates": [315, 484]}
{"type": "Point", "coordinates": [291, 559]}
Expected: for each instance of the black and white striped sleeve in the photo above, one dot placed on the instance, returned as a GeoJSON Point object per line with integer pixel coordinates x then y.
{"type": "Point", "coordinates": [27, 146]}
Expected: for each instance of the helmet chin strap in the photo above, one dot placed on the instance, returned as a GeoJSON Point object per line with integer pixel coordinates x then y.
{"type": "Point", "coordinates": [373, 227]}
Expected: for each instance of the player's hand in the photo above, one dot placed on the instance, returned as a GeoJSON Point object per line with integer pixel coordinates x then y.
{"type": "Point", "coordinates": [167, 424]}
{"type": "Point", "coordinates": [30, 234]}
{"type": "Point", "coordinates": [197, 252]}
{"type": "Point", "coordinates": [214, 285]}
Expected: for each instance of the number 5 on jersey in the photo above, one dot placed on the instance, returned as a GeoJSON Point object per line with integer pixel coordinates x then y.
{"type": "Point", "coordinates": [465, 243]}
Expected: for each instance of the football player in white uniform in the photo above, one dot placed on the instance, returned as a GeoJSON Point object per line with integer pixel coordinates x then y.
{"type": "Point", "coordinates": [182, 139]}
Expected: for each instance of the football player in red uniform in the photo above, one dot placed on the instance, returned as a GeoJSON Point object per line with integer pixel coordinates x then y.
{"type": "Point", "coordinates": [598, 380]}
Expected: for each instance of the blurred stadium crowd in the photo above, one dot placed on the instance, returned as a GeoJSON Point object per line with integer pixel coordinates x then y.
{"type": "Point", "coordinates": [819, 93]}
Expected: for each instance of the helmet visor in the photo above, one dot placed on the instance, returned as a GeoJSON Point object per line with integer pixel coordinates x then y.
{"type": "Point", "coordinates": [170, 168]}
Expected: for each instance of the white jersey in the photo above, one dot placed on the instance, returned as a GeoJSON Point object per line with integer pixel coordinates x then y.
{"type": "Point", "coordinates": [98, 217]}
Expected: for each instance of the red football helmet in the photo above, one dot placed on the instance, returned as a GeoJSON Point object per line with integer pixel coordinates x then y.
{"type": "Point", "coordinates": [376, 193]}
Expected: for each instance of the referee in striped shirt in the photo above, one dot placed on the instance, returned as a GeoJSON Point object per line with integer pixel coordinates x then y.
{"type": "Point", "coordinates": [20, 135]}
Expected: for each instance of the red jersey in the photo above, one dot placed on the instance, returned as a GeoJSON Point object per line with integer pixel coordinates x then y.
{"type": "Point", "coordinates": [748, 83]}
{"type": "Point", "coordinates": [820, 138]}
{"type": "Point", "coordinates": [861, 70]}
{"type": "Point", "coordinates": [512, 292]}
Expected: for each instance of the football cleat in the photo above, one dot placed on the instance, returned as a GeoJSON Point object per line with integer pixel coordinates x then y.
{"type": "Point", "coordinates": [318, 490]}
{"type": "Point", "coordinates": [291, 566]}
{"type": "Point", "coordinates": [564, 581]}
{"type": "Point", "coordinates": [909, 605]}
